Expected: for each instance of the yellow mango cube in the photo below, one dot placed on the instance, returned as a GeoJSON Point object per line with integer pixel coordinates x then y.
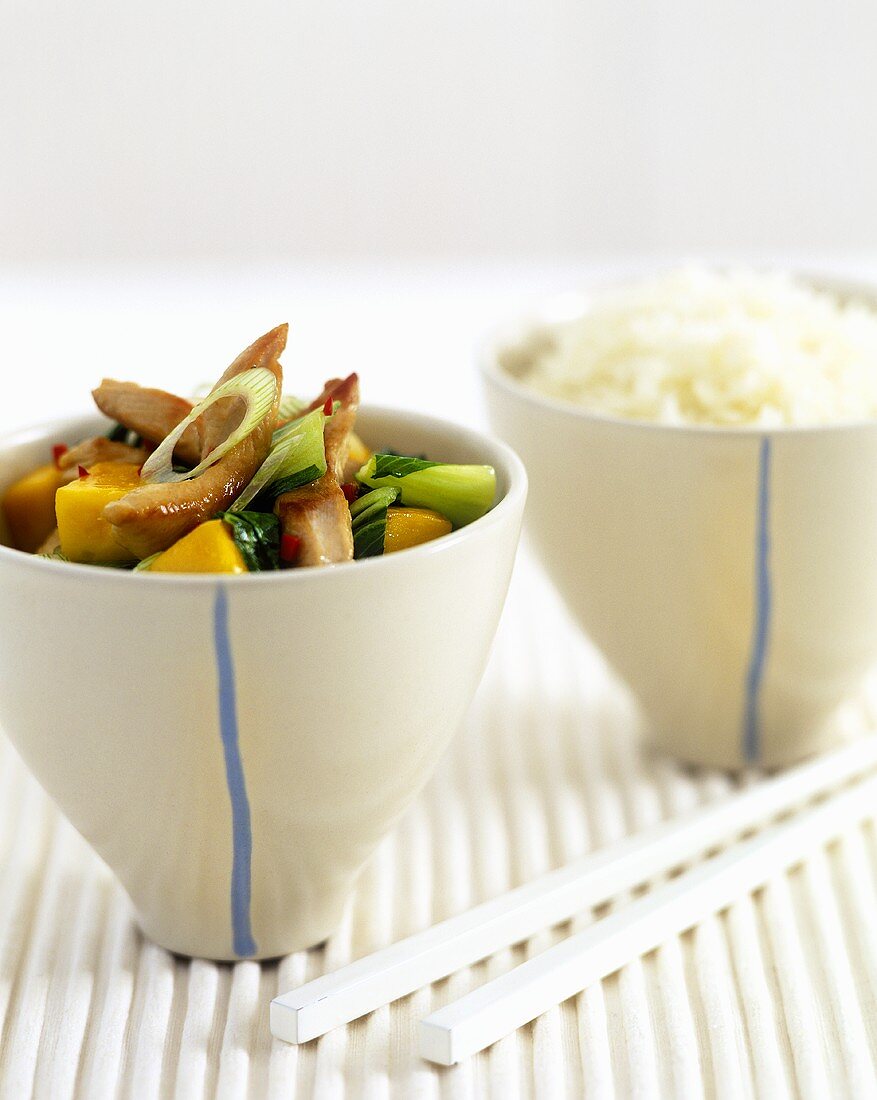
{"type": "Point", "coordinates": [408, 527]}
{"type": "Point", "coordinates": [29, 507]}
{"type": "Point", "coordinates": [85, 535]}
{"type": "Point", "coordinates": [210, 548]}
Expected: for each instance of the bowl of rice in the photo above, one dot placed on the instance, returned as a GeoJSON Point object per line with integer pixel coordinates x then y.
{"type": "Point", "coordinates": [702, 454]}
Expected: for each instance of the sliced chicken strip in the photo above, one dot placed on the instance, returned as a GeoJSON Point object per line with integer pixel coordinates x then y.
{"type": "Point", "coordinates": [318, 514]}
{"type": "Point", "coordinates": [340, 426]}
{"type": "Point", "coordinates": [361, 453]}
{"type": "Point", "coordinates": [151, 413]}
{"type": "Point", "coordinates": [154, 517]}
{"type": "Point", "coordinates": [357, 452]}
{"type": "Point", "coordinates": [101, 449]}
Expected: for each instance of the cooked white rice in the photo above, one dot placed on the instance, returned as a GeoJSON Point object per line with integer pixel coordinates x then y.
{"type": "Point", "coordinates": [703, 347]}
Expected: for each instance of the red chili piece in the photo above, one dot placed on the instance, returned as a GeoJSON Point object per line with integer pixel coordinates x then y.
{"type": "Point", "coordinates": [351, 491]}
{"type": "Point", "coordinates": [327, 408]}
{"type": "Point", "coordinates": [83, 472]}
{"type": "Point", "coordinates": [289, 547]}
{"type": "Point", "coordinates": [58, 451]}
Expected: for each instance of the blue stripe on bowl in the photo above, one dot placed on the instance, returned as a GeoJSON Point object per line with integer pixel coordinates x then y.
{"type": "Point", "coordinates": [242, 838]}
{"type": "Point", "coordinates": [761, 629]}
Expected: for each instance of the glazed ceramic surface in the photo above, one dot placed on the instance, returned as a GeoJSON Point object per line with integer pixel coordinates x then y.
{"type": "Point", "coordinates": [729, 576]}
{"type": "Point", "coordinates": [235, 748]}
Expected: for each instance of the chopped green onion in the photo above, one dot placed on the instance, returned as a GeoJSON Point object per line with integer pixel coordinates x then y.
{"type": "Point", "coordinates": [369, 521]}
{"type": "Point", "coordinates": [290, 407]}
{"type": "Point", "coordinates": [258, 387]}
{"type": "Point", "coordinates": [462, 493]}
{"type": "Point", "coordinates": [141, 566]}
{"type": "Point", "coordinates": [297, 457]}
{"type": "Point", "coordinates": [257, 536]}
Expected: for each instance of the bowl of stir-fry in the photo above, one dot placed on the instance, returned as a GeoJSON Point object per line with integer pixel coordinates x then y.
{"type": "Point", "coordinates": [239, 632]}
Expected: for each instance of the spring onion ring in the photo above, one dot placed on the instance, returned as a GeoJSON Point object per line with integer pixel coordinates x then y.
{"type": "Point", "coordinates": [257, 387]}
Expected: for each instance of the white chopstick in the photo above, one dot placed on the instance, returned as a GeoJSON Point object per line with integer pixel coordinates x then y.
{"type": "Point", "coordinates": [397, 970]}
{"type": "Point", "coordinates": [487, 1014]}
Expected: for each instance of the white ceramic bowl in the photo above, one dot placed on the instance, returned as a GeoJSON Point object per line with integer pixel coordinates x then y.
{"type": "Point", "coordinates": [235, 747]}
{"type": "Point", "coordinates": [729, 576]}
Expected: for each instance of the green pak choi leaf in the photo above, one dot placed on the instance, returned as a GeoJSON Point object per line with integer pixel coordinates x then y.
{"type": "Point", "coordinates": [393, 465]}
{"type": "Point", "coordinates": [297, 457]}
{"type": "Point", "coordinates": [257, 536]}
{"type": "Point", "coordinates": [369, 521]}
{"type": "Point", "coordinates": [461, 493]}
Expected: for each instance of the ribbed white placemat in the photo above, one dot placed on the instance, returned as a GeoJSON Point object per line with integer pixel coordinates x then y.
{"type": "Point", "coordinates": [775, 998]}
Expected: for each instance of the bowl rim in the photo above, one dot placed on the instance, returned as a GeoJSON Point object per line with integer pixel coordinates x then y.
{"type": "Point", "coordinates": [507, 463]}
{"type": "Point", "coordinates": [552, 310]}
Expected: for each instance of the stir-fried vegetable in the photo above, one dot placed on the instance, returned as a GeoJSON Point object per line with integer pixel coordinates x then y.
{"type": "Point", "coordinates": [316, 517]}
{"type": "Point", "coordinates": [258, 388]}
{"type": "Point", "coordinates": [297, 456]}
{"type": "Point", "coordinates": [257, 537]}
{"type": "Point", "coordinates": [369, 515]}
{"type": "Point", "coordinates": [460, 493]}
{"type": "Point", "coordinates": [245, 480]}
{"type": "Point", "coordinates": [154, 516]}
{"type": "Point", "coordinates": [290, 408]}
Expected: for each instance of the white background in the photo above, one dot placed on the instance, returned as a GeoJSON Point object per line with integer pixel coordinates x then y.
{"type": "Point", "coordinates": [410, 129]}
{"type": "Point", "coordinates": [391, 176]}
